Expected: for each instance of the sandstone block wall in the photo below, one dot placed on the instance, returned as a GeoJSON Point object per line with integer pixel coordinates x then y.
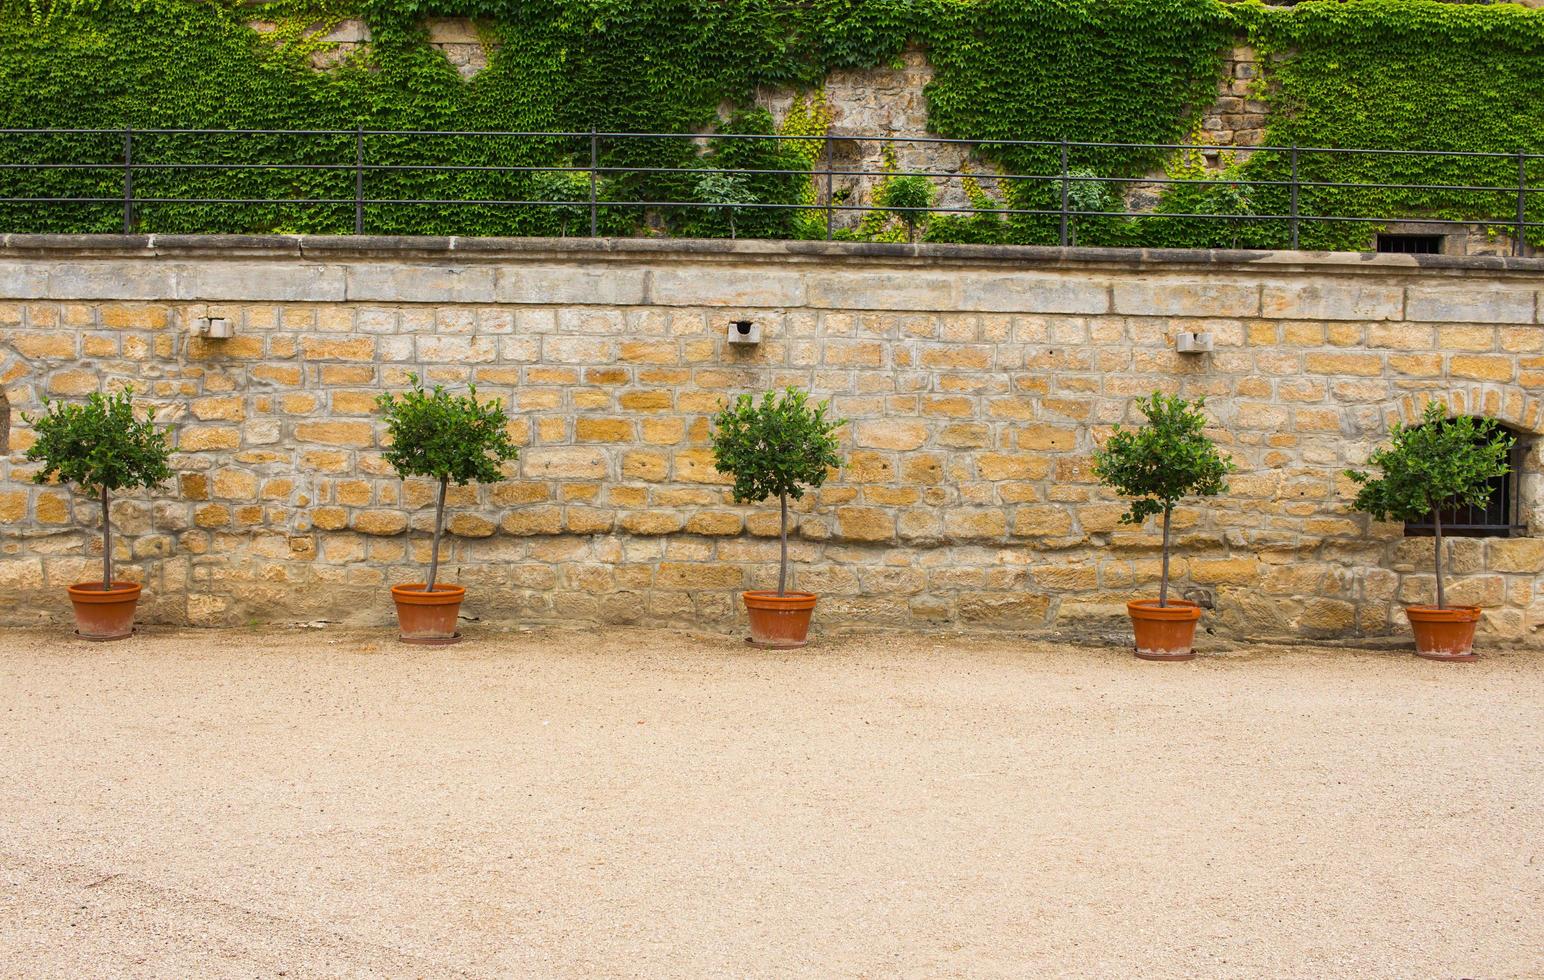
{"type": "Point", "coordinates": [977, 382]}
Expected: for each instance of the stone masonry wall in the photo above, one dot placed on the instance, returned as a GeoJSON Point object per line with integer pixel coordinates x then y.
{"type": "Point", "coordinates": [977, 382]}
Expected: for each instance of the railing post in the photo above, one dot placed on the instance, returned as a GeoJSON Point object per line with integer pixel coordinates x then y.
{"type": "Point", "coordinates": [1522, 204]}
{"type": "Point", "coordinates": [830, 196]}
{"type": "Point", "coordinates": [594, 162]}
{"type": "Point", "coordinates": [1294, 197]}
{"type": "Point", "coordinates": [359, 180]}
{"type": "Point", "coordinates": [1064, 194]}
{"type": "Point", "coordinates": [128, 181]}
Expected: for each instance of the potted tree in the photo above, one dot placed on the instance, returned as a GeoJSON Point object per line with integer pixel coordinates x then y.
{"type": "Point", "coordinates": [1437, 465]}
{"type": "Point", "coordinates": [447, 438]}
{"type": "Point", "coordinates": [776, 448]}
{"type": "Point", "coordinates": [101, 447]}
{"type": "Point", "coordinates": [1159, 464]}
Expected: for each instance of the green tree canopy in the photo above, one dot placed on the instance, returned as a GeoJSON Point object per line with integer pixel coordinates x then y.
{"type": "Point", "coordinates": [775, 448]}
{"type": "Point", "coordinates": [101, 447]}
{"type": "Point", "coordinates": [1164, 461]}
{"type": "Point", "coordinates": [1429, 467]}
{"type": "Point", "coordinates": [1167, 459]}
{"type": "Point", "coordinates": [446, 437]}
{"type": "Point", "coordinates": [451, 438]}
{"type": "Point", "coordinates": [1437, 464]}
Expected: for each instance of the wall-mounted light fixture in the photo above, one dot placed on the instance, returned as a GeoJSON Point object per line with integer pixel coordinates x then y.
{"type": "Point", "coordinates": [215, 327]}
{"type": "Point", "coordinates": [744, 332]}
{"type": "Point", "coordinates": [1188, 342]}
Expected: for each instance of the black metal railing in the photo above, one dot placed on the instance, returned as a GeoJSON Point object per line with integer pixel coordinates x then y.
{"type": "Point", "coordinates": [356, 179]}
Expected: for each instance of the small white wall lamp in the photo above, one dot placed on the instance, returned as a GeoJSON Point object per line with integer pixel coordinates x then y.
{"type": "Point", "coordinates": [744, 332]}
{"type": "Point", "coordinates": [215, 327]}
{"type": "Point", "coordinates": [1188, 342]}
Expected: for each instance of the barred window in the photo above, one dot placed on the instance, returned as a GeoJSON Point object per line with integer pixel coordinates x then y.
{"type": "Point", "coordinates": [1499, 517]}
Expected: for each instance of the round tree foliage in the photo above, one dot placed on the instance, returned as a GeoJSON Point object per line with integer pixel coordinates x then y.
{"type": "Point", "coordinates": [907, 197]}
{"type": "Point", "coordinates": [1167, 459]}
{"type": "Point", "coordinates": [775, 447]}
{"type": "Point", "coordinates": [447, 437]}
{"type": "Point", "coordinates": [99, 445]}
{"type": "Point", "coordinates": [1439, 463]}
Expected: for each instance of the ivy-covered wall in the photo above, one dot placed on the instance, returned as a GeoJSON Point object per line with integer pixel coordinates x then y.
{"type": "Point", "coordinates": [1363, 73]}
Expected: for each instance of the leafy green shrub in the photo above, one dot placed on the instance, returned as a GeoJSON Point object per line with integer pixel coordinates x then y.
{"type": "Point", "coordinates": [1161, 463]}
{"type": "Point", "coordinates": [1430, 467]}
{"type": "Point", "coordinates": [447, 438]}
{"type": "Point", "coordinates": [775, 448]}
{"type": "Point", "coordinates": [906, 197]}
{"type": "Point", "coordinates": [570, 192]}
{"type": "Point", "coordinates": [100, 447]}
{"type": "Point", "coordinates": [726, 192]}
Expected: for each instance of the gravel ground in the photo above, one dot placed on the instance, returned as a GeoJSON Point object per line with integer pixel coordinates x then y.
{"type": "Point", "coordinates": [637, 803]}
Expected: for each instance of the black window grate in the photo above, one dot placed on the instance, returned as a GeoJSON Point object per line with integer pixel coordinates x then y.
{"type": "Point", "coordinates": [1411, 244]}
{"type": "Point", "coordinates": [1498, 518]}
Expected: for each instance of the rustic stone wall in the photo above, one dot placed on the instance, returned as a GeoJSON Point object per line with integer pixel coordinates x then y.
{"type": "Point", "coordinates": [457, 38]}
{"type": "Point", "coordinates": [977, 382]}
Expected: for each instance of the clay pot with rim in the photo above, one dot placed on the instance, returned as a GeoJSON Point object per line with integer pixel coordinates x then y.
{"type": "Point", "coordinates": [779, 622]}
{"type": "Point", "coordinates": [104, 614]}
{"type": "Point", "coordinates": [428, 618]}
{"type": "Point", "coordinates": [1444, 633]}
{"type": "Point", "coordinates": [1164, 632]}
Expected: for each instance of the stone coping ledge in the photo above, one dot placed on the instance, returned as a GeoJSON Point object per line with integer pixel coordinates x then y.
{"type": "Point", "coordinates": [408, 248]}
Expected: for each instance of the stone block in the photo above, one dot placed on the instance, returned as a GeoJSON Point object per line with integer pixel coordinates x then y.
{"type": "Point", "coordinates": [716, 286]}
{"type": "Point", "coordinates": [400, 282]}
{"type": "Point", "coordinates": [380, 522]}
{"type": "Point", "coordinates": [1464, 304]}
{"type": "Point", "coordinates": [1518, 555]}
{"type": "Point", "coordinates": [335, 349]}
{"type": "Point", "coordinates": [257, 281]}
{"type": "Point", "coordinates": [865, 524]}
{"type": "Point", "coordinates": [571, 285]}
{"type": "Point", "coordinates": [1482, 367]}
{"type": "Point", "coordinates": [880, 291]}
{"type": "Point", "coordinates": [351, 434]}
{"type": "Point", "coordinates": [1197, 299]}
{"type": "Point", "coordinates": [1331, 301]}
{"type": "Point", "coordinates": [207, 438]}
{"type": "Point", "coordinates": [564, 462]}
{"type": "Point", "coordinates": [981, 524]}
{"type": "Point", "coordinates": [1027, 293]}
{"type": "Point", "coordinates": [891, 434]}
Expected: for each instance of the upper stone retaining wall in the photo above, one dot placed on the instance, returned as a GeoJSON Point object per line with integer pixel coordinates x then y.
{"type": "Point", "coordinates": [977, 380]}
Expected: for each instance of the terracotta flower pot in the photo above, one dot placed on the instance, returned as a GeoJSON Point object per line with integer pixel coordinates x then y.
{"type": "Point", "coordinates": [1164, 632]}
{"type": "Point", "coordinates": [428, 617]}
{"type": "Point", "coordinates": [1444, 634]}
{"type": "Point", "coordinates": [104, 615]}
{"type": "Point", "coordinates": [779, 621]}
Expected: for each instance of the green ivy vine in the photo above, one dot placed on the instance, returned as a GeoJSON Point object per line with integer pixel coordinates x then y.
{"type": "Point", "coordinates": [1391, 74]}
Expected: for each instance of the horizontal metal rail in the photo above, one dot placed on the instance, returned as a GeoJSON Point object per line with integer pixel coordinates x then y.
{"type": "Point", "coordinates": [133, 171]}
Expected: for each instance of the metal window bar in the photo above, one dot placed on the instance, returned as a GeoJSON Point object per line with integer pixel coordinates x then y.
{"type": "Point", "coordinates": [1499, 517]}
{"type": "Point", "coordinates": [133, 199]}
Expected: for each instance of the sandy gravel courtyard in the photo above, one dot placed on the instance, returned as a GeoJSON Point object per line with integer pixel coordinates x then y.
{"type": "Point", "coordinates": [633, 803]}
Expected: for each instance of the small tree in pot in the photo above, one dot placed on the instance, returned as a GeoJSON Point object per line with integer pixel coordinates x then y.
{"type": "Point", "coordinates": [776, 448]}
{"type": "Point", "coordinates": [1159, 464]}
{"type": "Point", "coordinates": [101, 447]}
{"type": "Point", "coordinates": [448, 438]}
{"type": "Point", "coordinates": [1440, 464]}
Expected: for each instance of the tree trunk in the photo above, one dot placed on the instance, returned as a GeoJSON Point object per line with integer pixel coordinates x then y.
{"type": "Point", "coordinates": [107, 545]}
{"type": "Point", "coordinates": [1436, 525]}
{"type": "Point", "coordinates": [439, 523]}
{"type": "Point", "coordinates": [1163, 579]}
{"type": "Point", "coordinates": [782, 567]}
